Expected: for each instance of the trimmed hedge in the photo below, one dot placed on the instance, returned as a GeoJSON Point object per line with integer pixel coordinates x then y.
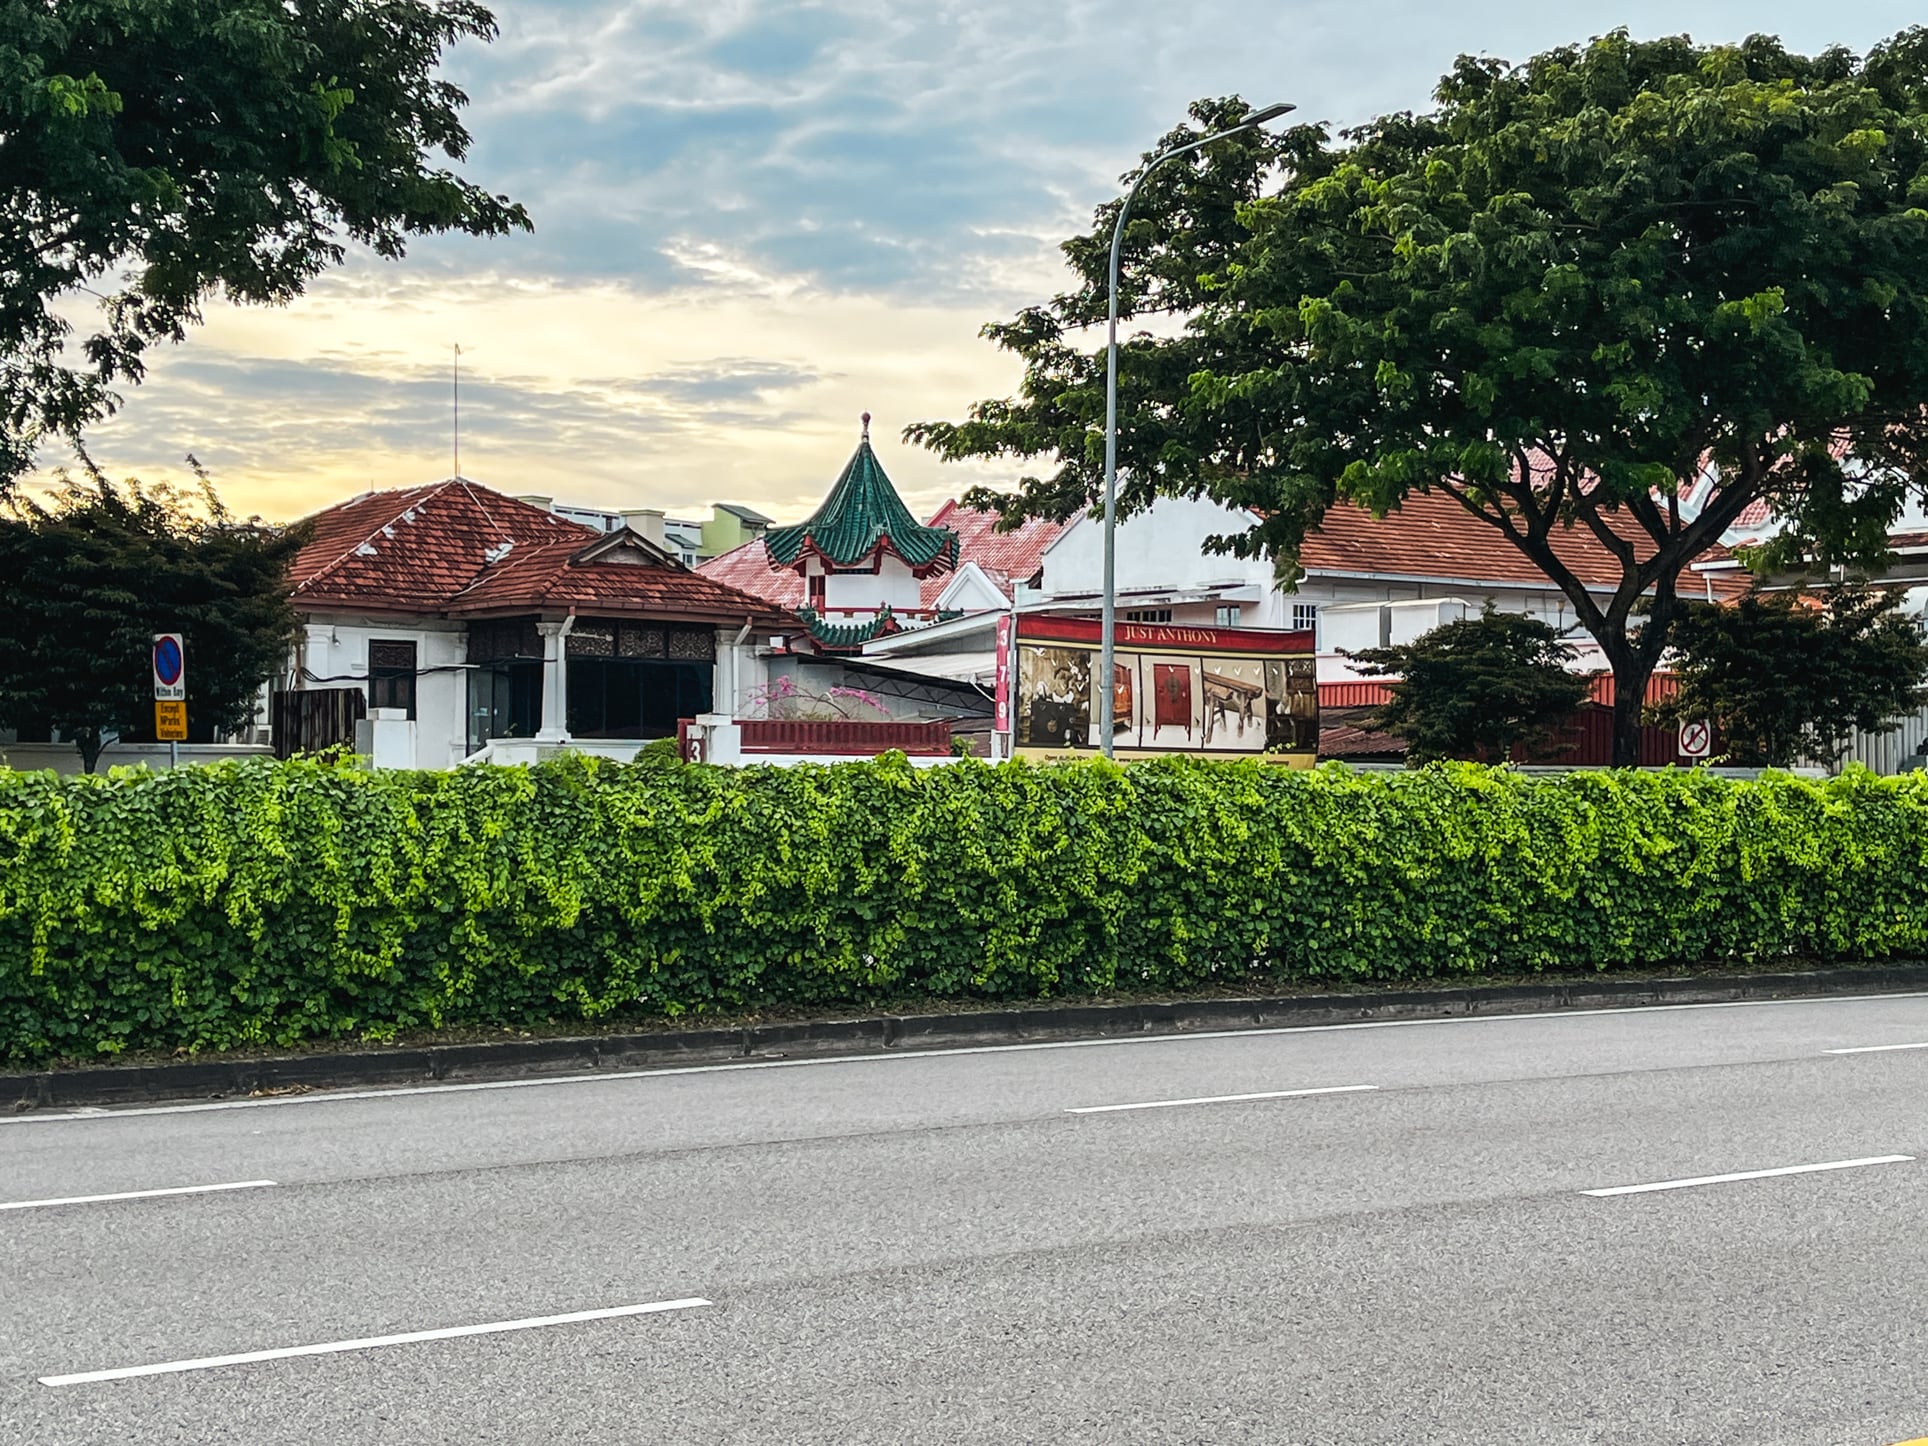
{"type": "Point", "coordinates": [262, 904]}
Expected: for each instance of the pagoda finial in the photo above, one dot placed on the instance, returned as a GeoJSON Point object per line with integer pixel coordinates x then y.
{"type": "Point", "coordinates": [866, 426]}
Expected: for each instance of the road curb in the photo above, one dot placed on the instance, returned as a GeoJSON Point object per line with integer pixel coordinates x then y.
{"type": "Point", "coordinates": [885, 1033]}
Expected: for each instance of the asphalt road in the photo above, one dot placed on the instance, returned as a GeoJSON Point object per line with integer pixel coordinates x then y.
{"type": "Point", "coordinates": [942, 1248]}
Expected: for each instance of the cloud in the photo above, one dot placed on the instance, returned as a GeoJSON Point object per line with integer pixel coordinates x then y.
{"type": "Point", "coordinates": [757, 218]}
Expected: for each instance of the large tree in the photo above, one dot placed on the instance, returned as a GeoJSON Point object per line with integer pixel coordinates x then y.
{"type": "Point", "coordinates": [1476, 687]}
{"type": "Point", "coordinates": [88, 577]}
{"type": "Point", "coordinates": [1567, 296]}
{"type": "Point", "coordinates": [154, 151]}
{"type": "Point", "coordinates": [1789, 678]}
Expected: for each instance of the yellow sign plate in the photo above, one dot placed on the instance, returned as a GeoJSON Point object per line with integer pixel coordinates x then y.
{"type": "Point", "coordinates": [170, 721]}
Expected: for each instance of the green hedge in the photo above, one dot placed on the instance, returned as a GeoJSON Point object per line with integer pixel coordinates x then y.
{"type": "Point", "coordinates": [258, 903]}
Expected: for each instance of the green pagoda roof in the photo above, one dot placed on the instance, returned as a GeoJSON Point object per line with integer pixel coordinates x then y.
{"type": "Point", "coordinates": [862, 519]}
{"type": "Point", "coordinates": [848, 636]}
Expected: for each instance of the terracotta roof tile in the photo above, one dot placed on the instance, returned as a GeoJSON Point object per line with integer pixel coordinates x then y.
{"type": "Point", "coordinates": [461, 549]}
{"type": "Point", "coordinates": [747, 568]}
{"type": "Point", "coordinates": [412, 550]}
{"type": "Point", "coordinates": [1006, 558]}
{"type": "Point", "coordinates": [1430, 535]}
{"type": "Point", "coordinates": [553, 577]}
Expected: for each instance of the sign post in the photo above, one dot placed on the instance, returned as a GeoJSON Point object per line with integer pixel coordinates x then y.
{"type": "Point", "coordinates": [170, 694]}
{"type": "Point", "coordinates": [1696, 738]}
{"type": "Point", "coordinates": [1001, 697]}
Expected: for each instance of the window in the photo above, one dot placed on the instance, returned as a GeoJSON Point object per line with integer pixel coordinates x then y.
{"type": "Point", "coordinates": [1228, 615]}
{"type": "Point", "coordinates": [1305, 617]}
{"type": "Point", "coordinates": [1149, 615]}
{"type": "Point", "coordinates": [391, 675]}
{"type": "Point", "coordinates": [815, 591]}
{"type": "Point", "coordinates": [634, 697]}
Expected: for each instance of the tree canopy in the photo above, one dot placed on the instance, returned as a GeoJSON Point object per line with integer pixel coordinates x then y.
{"type": "Point", "coordinates": [90, 576]}
{"type": "Point", "coordinates": [1789, 678]}
{"type": "Point", "coordinates": [1476, 687]}
{"type": "Point", "coordinates": [1626, 288]}
{"type": "Point", "coordinates": [152, 151]}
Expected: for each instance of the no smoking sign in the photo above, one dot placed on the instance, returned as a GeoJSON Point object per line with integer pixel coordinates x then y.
{"type": "Point", "coordinates": [1696, 738]}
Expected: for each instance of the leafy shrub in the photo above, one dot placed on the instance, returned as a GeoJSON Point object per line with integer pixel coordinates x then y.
{"type": "Point", "coordinates": [258, 903]}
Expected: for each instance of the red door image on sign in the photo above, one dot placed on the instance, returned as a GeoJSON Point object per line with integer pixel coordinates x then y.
{"type": "Point", "coordinates": [1171, 685]}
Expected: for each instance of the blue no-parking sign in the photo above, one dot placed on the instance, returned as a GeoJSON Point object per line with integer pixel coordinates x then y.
{"type": "Point", "coordinates": [170, 668]}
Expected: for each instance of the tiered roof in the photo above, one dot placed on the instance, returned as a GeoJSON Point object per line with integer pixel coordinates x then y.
{"type": "Point", "coordinates": [1005, 558]}
{"type": "Point", "coordinates": [861, 520]}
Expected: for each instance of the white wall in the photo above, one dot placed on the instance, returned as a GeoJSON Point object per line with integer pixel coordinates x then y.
{"type": "Point", "coordinates": [1163, 549]}
{"type": "Point", "coordinates": [65, 758]}
{"type": "Point", "coordinates": [336, 656]}
{"type": "Point", "coordinates": [892, 583]}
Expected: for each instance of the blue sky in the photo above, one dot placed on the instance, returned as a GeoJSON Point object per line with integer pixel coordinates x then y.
{"type": "Point", "coordinates": [757, 219]}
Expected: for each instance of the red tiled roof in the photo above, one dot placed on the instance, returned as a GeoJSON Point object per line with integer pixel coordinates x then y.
{"type": "Point", "coordinates": [1430, 535]}
{"type": "Point", "coordinates": [457, 548]}
{"type": "Point", "coordinates": [553, 577]}
{"type": "Point", "coordinates": [414, 549]}
{"type": "Point", "coordinates": [1342, 740]}
{"type": "Point", "coordinates": [1006, 558]}
{"type": "Point", "coordinates": [747, 568]}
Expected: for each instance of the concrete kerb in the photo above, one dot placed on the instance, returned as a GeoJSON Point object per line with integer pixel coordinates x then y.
{"type": "Point", "coordinates": [109, 1085]}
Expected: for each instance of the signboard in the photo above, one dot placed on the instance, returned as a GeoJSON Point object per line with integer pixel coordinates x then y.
{"type": "Point", "coordinates": [1001, 697]}
{"type": "Point", "coordinates": [170, 720]}
{"type": "Point", "coordinates": [1230, 692]}
{"type": "Point", "coordinates": [170, 668]}
{"type": "Point", "coordinates": [1696, 738]}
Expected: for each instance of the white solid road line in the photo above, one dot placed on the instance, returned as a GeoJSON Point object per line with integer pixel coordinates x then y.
{"type": "Point", "coordinates": [1221, 1099]}
{"type": "Point", "coordinates": [1874, 1048]}
{"type": "Point", "coordinates": [326, 1096]}
{"type": "Point", "coordinates": [1750, 1175]}
{"type": "Point", "coordinates": [136, 1195]}
{"type": "Point", "coordinates": [330, 1348]}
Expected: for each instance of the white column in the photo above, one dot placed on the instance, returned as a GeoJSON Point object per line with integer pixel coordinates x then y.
{"type": "Point", "coordinates": [555, 680]}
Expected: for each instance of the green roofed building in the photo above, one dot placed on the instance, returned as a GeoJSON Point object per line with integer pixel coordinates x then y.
{"type": "Point", "coordinates": [862, 556]}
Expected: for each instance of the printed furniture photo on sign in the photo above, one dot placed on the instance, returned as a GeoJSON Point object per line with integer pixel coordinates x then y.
{"type": "Point", "coordinates": [1223, 691]}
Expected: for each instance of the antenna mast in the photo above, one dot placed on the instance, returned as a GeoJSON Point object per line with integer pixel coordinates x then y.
{"type": "Point", "coordinates": [455, 399]}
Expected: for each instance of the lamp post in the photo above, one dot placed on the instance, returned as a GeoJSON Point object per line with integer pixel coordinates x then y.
{"type": "Point", "coordinates": [1109, 628]}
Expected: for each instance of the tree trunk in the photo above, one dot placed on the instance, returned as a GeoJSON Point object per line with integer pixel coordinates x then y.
{"type": "Point", "coordinates": [88, 741]}
{"type": "Point", "coordinates": [1630, 674]}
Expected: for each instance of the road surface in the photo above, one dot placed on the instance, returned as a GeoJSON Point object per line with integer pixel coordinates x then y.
{"type": "Point", "coordinates": [1385, 1233]}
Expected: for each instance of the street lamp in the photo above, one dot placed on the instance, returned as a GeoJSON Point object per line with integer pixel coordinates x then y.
{"type": "Point", "coordinates": [1109, 633]}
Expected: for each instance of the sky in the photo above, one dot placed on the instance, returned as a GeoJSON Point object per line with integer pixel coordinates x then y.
{"type": "Point", "coordinates": [756, 219]}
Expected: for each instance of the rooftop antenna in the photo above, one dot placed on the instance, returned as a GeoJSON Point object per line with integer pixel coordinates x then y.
{"type": "Point", "coordinates": [455, 397]}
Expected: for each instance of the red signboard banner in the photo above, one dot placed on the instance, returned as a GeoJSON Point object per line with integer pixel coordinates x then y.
{"type": "Point", "coordinates": [1163, 637]}
{"type": "Point", "coordinates": [1001, 715]}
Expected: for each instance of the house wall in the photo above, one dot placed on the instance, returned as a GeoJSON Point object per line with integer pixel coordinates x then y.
{"type": "Point", "coordinates": [892, 584]}
{"type": "Point", "coordinates": [1163, 549]}
{"type": "Point", "coordinates": [334, 654]}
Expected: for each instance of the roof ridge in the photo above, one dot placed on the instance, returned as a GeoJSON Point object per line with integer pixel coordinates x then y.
{"type": "Point", "coordinates": [483, 507]}
{"type": "Point", "coordinates": [429, 489]}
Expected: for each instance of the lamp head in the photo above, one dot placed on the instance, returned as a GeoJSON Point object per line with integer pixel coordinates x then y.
{"type": "Point", "coordinates": [1270, 113]}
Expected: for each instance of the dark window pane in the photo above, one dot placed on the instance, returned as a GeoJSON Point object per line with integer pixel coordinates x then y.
{"type": "Point", "coordinates": [391, 675]}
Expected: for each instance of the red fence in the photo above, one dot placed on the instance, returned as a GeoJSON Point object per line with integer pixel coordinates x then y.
{"type": "Point", "coordinates": [847, 738]}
